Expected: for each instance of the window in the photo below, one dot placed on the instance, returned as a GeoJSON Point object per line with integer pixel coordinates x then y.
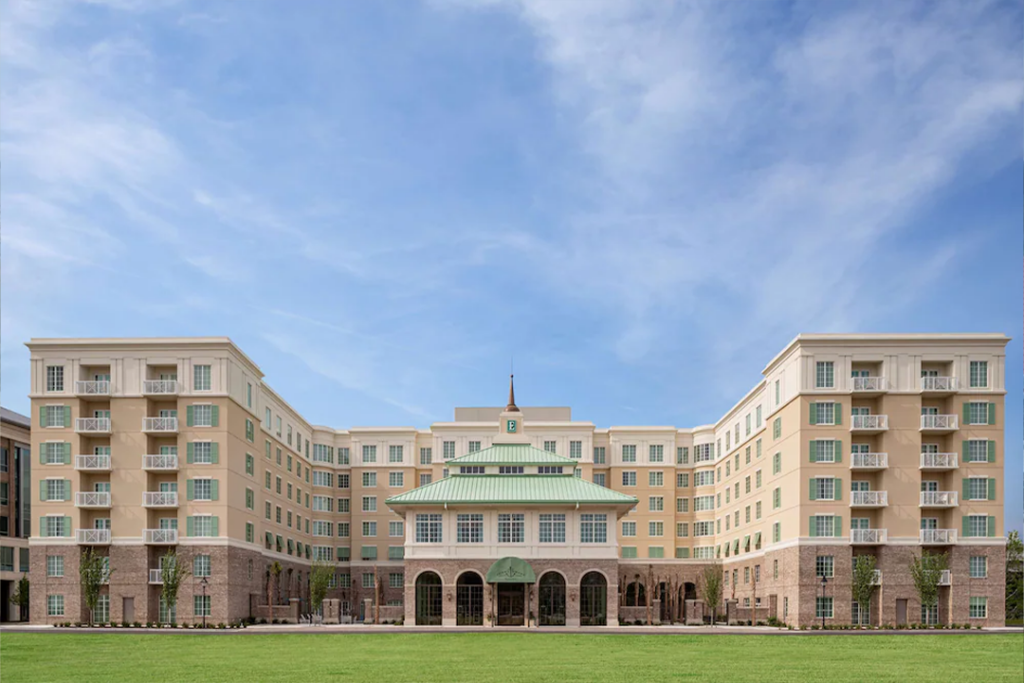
{"type": "Point", "coordinates": [978, 450]}
{"type": "Point", "coordinates": [56, 488]}
{"type": "Point", "coordinates": [824, 488]}
{"type": "Point", "coordinates": [824, 526]}
{"type": "Point", "coordinates": [55, 603]}
{"type": "Point", "coordinates": [682, 504]}
{"type": "Point", "coordinates": [656, 552]}
{"type": "Point", "coordinates": [369, 454]}
{"type": "Point", "coordinates": [599, 455]}
{"type": "Point", "coordinates": [478, 469]}
{"type": "Point", "coordinates": [682, 529]}
{"type": "Point", "coordinates": [979, 567]}
{"type": "Point", "coordinates": [322, 528]}
{"type": "Point", "coordinates": [202, 378]}
{"type": "Point", "coordinates": [701, 503]}
{"type": "Point", "coordinates": [541, 469]}
{"type": "Point", "coordinates": [204, 526]}
{"type": "Point", "coordinates": [552, 528]}
{"type": "Point", "coordinates": [323, 504]}
{"type": "Point", "coordinates": [824, 375]}
{"type": "Point", "coordinates": [682, 455]}
{"type": "Point", "coordinates": [426, 456]}
{"type": "Point", "coordinates": [777, 463]}
{"type": "Point", "coordinates": [746, 484]}
{"type": "Point", "coordinates": [656, 503]}
{"type": "Point", "coordinates": [976, 526]}
{"type": "Point", "coordinates": [511, 528]}
{"type": "Point", "coordinates": [600, 479]}
{"type": "Point", "coordinates": [343, 505]}
{"type": "Point", "coordinates": [777, 428]}
{"type": "Point", "coordinates": [757, 479]}
{"type": "Point", "coordinates": [343, 480]}
{"type": "Point", "coordinates": [53, 416]}
{"type": "Point", "coordinates": [321, 478]}
{"type": "Point", "coordinates": [396, 479]}
{"type": "Point", "coordinates": [628, 552]}
{"type": "Point", "coordinates": [576, 449]}
{"type": "Point", "coordinates": [369, 479]}
{"type": "Point", "coordinates": [704, 478]}
{"type": "Point", "coordinates": [655, 478]}
{"type": "Point", "coordinates": [629, 529]}
{"type": "Point", "coordinates": [428, 527]}
{"type": "Point", "coordinates": [979, 374]}
{"type": "Point", "coordinates": [250, 464]}
{"type": "Point", "coordinates": [396, 529]}
{"type": "Point", "coordinates": [370, 529]}
{"type": "Point", "coordinates": [55, 566]}
{"type": "Point", "coordinates": [250, 499]}
{"type": "Point", "coordinates": [425, 479]}
{"type": "Point", "coordinates": [593, 528]}
{"type": "Point", "coordinates": [201, 566]}
{"type": "Point", "coordinates": [469, 528]}
{"type": "Point", "coordinates": [201, 605]}
{"type": "Point", "coordinates": [396, 580]}
{"type": "Point", "coordinates": [628, 453]}
{"type": "Point", "coordinates": [702, 453]}
{"type": "Point", "coordinates": [629, 478]}
{"type": "Point", "coordinates": [448, 449]}
{"type": "Point", "coordinates": [776, 498]}
{"type": "Point", "coordinates": [776, 532]}
{"type": "Point", "coordinates": [978, 608]}
{"type": "Point", "coordinates": [747, 430]}
{"type": "Point", "coordinates": [202, 452]}
{"type": "Point", "coordinates": [55, 382]}
{"type": "Point", "coordinates": [395, 453]}
{"type": "Point", "coordinates": [344, 529]}
{"type": "Point", "coordinates": [656, 453]}
{"type": "Point", "coordinates": [976, 488]}
{"type": "Point", "coordinates": [824, 565]}
{"type": "Point", "coordinates": [704, 528]}
{"type": "Point", "coordinates": [474, 446]}
{"type": "Point", "coordinates": [510, 469]}
{"type": "Point", "coordinates": [823, 413]}
{"type": "Point", "coordinates": [824, 450]}
{"type": "Point", "coordinates": [549, 446]}
{"type": "Point", "coordinates": [823, 608]}
{"type": "Point", "coordinates": [369, 503]}
{"type": "Point", "coordinates": [978, 413]}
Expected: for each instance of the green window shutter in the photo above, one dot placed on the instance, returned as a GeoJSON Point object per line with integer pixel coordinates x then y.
{"type": "Point", "coordinates": [67, 489]}
{"type": "Point", "coordinates": [191, 456]}
{"type": "Point", "coordinates": [42, 416]}
{"type": "Point", "coordinates": [839, 526]}
{"type": "Point", "coordinates": [190, 486]}
{"type": "Point", "coordinates": [839, 413]}
{"type": "Point", "coordinates": [189, 417]}
{"type": "Point", "coordinates": [67, 416]}
{"type": "Point", "coordinates": [991, 489]}
{"type": "Point", "coordinates": [812, 489]}
{"type": "Point", "coordinates": [966, 527]}
{"type": "Point", "coordinates": [214, 453]}
{"type": "Point", "coordinates": [215, 526]}
{"type": "Point", "coordinates": [814, 451]}
{"type": "Point", "coordinates": [42, 493]}
{"type": "Point", "coordinates": [214, 415]}
{"type": "Point", "coordinates": [839, 451]}
{"type": "Point", "coordinates": [814, 413]}
{"type": "Point", "coordinates": [967, 413]}
{"type": "Point", "coordinates": [991, 451]}
{"type": "Point", "coordinates": [838, 488]}
{"type": "Point", "coordinates": [67, 452]}
{"type": "Point", "coordinates": [991, 526]}
{"type": "Point", "coordinates": [42, 527]}
{"type": "Point", "coordinates": [67, 525]}
{"type": "Point", "coordinates": [214, 489]}
{"type": "Point", "coordinates": [190, 523]}
{"type": "Point", "coordinates": [963, 450]}
{"type": "Point", "coordinates": [812, 528]}
{"type": "Point", "coordinates": [991, 413]}
{"type": "Point", "coordinates": [964, 494]}
{"type": "Point", "coordinates": [42, 456]}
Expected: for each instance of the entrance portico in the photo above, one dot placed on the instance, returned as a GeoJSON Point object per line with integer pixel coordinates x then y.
{"type": "Point", "coordinates": [512, 579]}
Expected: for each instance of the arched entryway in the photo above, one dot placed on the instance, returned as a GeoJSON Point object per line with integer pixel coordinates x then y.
{"type": "Point", "coordinates": [551, 598]}
{"type": "Point", "coordinates": [428, 599]}
{"type": "Point", "coordinates": [469, 600]}
{"type": "Point", "coordinates": [593, 599]}
{"type": "Point", "coordinates": [688, 591]}
{"type": "Point", "coordinates": [636, 595]}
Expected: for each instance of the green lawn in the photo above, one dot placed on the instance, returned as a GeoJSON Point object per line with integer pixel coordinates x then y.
{"type": "Point", "coordinates": [508, 658]}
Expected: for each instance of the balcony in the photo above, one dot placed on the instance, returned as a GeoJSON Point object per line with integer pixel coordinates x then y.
{"type": "Point", "coordinates": [160, 536]}
{"type": "Point", "coordinates": [92, 388]}
{"type": "Point", "coordinates": [160, 463]}
{"type": "Point", "coordinates": [937, 424]}
{"type": "Point", "coordinates": [867, 462]}
{"type": "Point", "coordinates": [156, 576]}
{"type": "Point", "coordinates": [869, 423]}
{"type": "Point", "coordinates": [92, 425]}
{"type": "Point", "coordinates": [937, 462]}
{"type": "Point", "coordinates": [938, 385]}
{"type": "Point", "coordinates": [869, 499]}
{"type": "Point", "coordinates": [92, 499]}
{"type": "Point", "coordinates": [160, 499]}
{"type": "Point", "coordinates": [164, 425]}
{"type": "Point", "coordinates": [160, 387]}
{"type": "Point", "coordinates": [876, 580]}
{"type": "Point", "coordinates": [868, 536]}
{"type": "Point", "coordinates": [866, 386]}
{"type": "Point", "coordinates": [92, 463]}
{"type": "Point", "coordinates": [938, 499]}
{"type": "Point", "coordinates": [93, 536]}
{"type": "Point", "coordinates": [938, 536]}
{"type": "Point", "coordinates": [946, 577]}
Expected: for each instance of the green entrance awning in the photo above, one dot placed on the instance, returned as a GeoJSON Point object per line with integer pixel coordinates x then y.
{"type": "Point", "coordinates": [511, 570]}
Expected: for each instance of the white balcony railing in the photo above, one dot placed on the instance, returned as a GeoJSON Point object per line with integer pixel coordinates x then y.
{"type": "Point", "coordinates": [869, 498]}
{"type": "Point", "coordinates": [99, 387]}
{"type": "Point", "coordinates": [93, 536]}
{"type": "Point", "coordinates": [869, 461]}
{"type": "Point", "coordinates": [869, 422]}
{"type": "Point", "coordinates": [160, 499]}
{"type": "Point", "coordinates": [938, 384]}
{"type": "Point", "coordinates": [939, 421]}
{"type": "Point", "coordinates": [160, 386]}
{"type": "Point", "coordinates": [159, 536]}
{"type": "Point", "coordinates": [159, 424]}
{"type": "Point", "coordinates": [876, 580]}
{"type": "Point", "coordinates": [938, 499]}
{"type": "Point", "coordinates": [92, 499]}
{"type": "Point", "coordinates": [938, 461]}
{"type": "Point", "coordinates": [869, 384]}
{"type": "Point", "coordinates": [868, 536]}
{"type": "Point", "coordinates": [938, 536]}
{"type": "Point", "coordinates": [94, 463]}
{"type": "Point", "coordinates": [156, 576]}
{"type": "Point", "coordinates": [161, 463]}
{"type": "Point", "coordinates": [92, 425]}
{"type": "Point", "coordinates": [946, 577]}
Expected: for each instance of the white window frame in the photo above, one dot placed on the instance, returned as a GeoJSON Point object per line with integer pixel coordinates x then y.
{"type": "Point", "coordinates": [202, 378]}
{"type": "Point", "coordinates": [824, 375]}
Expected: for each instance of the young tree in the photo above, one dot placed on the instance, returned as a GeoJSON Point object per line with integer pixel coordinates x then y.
{"type": "Point", "coordinates": [275, 573]}
{"type": "Point", "coordinates": [1014, 577]}
{"type": "Point", "coordinates": [926, 571]}
{"type": "Point", "coordinates": [94, 571]}
{"type": "Point", "coordinates": [172, 573]}
{"type": "Point", "coordinates": [863, 583]}
{"type": "Point", "coordinates": [711, 589]}
{"type": "Point", "coordinates": [319, 582]}
{"type": "Point", "coordinates": [20, 597]}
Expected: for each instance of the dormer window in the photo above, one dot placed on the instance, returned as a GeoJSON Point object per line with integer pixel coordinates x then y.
{"type": "Point", "coordinates": [510, 469]}
{"type": "Point", "coordinates": [471, 469]}
{"type": "Point", "coordinates": [549, 469]}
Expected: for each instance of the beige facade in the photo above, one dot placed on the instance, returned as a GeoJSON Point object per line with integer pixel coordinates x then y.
{"type": "Point", "coordinates": [849, 444]}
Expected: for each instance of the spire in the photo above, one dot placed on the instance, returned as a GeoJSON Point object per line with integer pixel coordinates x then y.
{"type": "Point", "coordinates": [511, 407]}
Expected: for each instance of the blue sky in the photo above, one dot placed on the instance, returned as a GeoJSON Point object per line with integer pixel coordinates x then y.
{"type": "Point", "coordinates": [382, 202]}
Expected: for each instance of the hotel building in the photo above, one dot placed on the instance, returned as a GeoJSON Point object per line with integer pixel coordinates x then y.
{"type": "Point", "coordinates": [15, 507]}
{"type": "Point", "coordinates": [864, 444]}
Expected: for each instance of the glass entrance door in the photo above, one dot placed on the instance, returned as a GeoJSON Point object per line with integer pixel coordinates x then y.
{"type": "Point", "coordinates": [511, 600]}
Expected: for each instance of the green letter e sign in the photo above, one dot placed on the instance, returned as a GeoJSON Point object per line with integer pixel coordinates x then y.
{"type": "Point", "coordinates": [511, 426]}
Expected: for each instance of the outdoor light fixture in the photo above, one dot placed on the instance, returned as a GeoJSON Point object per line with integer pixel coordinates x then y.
{"type": "Point", "coordinates": [824, 582]}
{"type": "Point", "coordinates": [204, 584]}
